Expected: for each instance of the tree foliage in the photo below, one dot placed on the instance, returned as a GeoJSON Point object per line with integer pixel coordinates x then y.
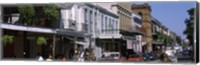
{"type": "Point", "coordinates": [189, 31]}
{"type": "Point", "coordinates": [51, 13]}
{"type": "Point", "coordinates": [27, 14]}
{"type": "Point", "coordinates": [164, 38]}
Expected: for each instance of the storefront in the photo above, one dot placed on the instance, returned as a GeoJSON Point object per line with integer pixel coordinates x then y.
{"type": "Point", "coordinates": [24, 44]}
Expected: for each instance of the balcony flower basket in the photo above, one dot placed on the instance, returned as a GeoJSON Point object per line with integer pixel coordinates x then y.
{"type": "Point", "coordinates": [7, 39]}
{"type": "Point", "coordinates": [41, 40]}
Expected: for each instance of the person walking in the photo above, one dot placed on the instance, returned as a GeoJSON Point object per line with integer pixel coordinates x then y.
{"type": "Point", "coordinates": [39, 57]}
{"type": "Point", "coordinates": [49, 58]}
{"type": "Point", "coordinates": [174, 55]}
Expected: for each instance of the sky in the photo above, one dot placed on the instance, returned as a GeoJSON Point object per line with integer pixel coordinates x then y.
{"type": "Point", "coordinates": [172, 14]}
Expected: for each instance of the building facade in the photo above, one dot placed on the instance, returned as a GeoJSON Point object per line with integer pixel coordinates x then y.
{"type": "Point", "coordinates": [145, 11]}
{"type": "Point", "coordinates": [137, 26]}
{"type": "Point", "coordinates": [97, 21]}
{"type": "Point", "coordinates": [24, 43]}
{"type": "Point", "coordinates": [129, 30]}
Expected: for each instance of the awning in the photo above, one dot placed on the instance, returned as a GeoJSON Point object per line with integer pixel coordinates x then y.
{"type": "Point", "coordinates": [155, 42]}
{"type": "Point", "coordinates": [65, 32]}
{"type": "Point", "coordinates": [26, 28]}
{"type": "Point", "coordinates": [81, 43]}
{"type": "Point", "coordinates": [132, 32]}
{"type": "Point", "coordinates": [128, 37]}
{"type": "Point", "coordinates": [68, 32]}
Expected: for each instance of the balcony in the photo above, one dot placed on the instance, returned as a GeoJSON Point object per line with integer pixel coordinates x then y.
{"type": "Point", "coordinates": [11, 15]}
{"type": "Point", "coordinates": [84, 27]}
{"type": "Point", "coordinates": [72, 24]}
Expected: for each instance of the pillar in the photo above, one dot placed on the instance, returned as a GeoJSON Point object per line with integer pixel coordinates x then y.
{"type": "Point", "coordinates": [1, 45]}
{"type": "Point", "coordinates": [54, 43]}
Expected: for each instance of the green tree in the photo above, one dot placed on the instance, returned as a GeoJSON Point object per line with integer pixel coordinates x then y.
{"type": "Point", "coordinates": [27, 14]}
{"type": "Point", "coordinates": [51, 13]}
{"type": "Point", "coordinates": [189, 31]}
{"type": "Point", "coordinates": [164, 38]}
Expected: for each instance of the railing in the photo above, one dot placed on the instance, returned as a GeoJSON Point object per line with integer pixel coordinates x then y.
{"type": "Point", "coordinates": [72, 24]}
{"type": "Point", "coordinates": [84, 27]}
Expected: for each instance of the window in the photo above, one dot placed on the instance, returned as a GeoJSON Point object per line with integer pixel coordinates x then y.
{"type": "Point", "coordinates": [95, 22]}
{"type": "Point", "coordinates": [109, 29]}
{"type": "Point", "coordinates": [102, 23]}
{"type": "Point", "coordinates": [137, 20]}
{"type": "Point", "coordinates": [85, 17]}
{"type": "Point", "coordinates": [90, 21]}
{"type": "Point", "coordinates": [116, 26]}
{"type": "Point", "coordinates": [105, 25]}
{"type": "Point", "coordinates": [113, 26]}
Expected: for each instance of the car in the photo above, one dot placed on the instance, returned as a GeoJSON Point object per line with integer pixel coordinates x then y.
{"type": "Point", "coordinates": [145, 56]}
{"type": "Point", "coordinates": [185, 52]}
{"type": "Point", "coordinates": [112, 56]}
{"type": "Point", "coordinates": [135, 57]}
{"type": "Point", "coordinates": [153, 56]}
{"type": "Point", "coordinates": [150, 56]}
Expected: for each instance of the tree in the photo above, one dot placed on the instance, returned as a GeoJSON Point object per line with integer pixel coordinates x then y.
{"type": "Point", "coordinates": [189, 31]}
{"type": "Point", "coordinates": [165, 38]}
{"type": "Point", "coordinates": [27, 14]}
{"type": "Point", "coordinates": [51, 13]}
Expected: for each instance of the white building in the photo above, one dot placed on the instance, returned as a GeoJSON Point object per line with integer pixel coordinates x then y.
{"type": "Point", "coordinates": [92, 19]}
{"type": "Point", "coordinates": [137, 25]}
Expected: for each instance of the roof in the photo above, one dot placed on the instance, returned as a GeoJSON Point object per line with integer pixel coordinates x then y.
{"type": "Point", "coordinates": [65, 5]}
{"type": "Point", "coordinates": [145, 5]}
{"type": "Point", "coordinates": [70, 5]}
{"type": "Point", "coordinates": [156, 21]}
{"type": "Point", "coordinates": [102, 9]}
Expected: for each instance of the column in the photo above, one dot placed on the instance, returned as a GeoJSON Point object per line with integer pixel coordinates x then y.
{"type": "Point", "coordinates": [54, 43]}
{"type": "Point", "coordinates": [1, 45]}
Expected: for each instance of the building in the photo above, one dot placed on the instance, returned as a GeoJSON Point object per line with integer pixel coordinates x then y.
{"type": "Point", "coordinates": [24, 45]}
{"type": "Point", "coordinates": [95, 20]}
{"type": "Point", "coordinates": [137, 26]}
{"type": "Point", "coordinates": [144, 10]}
{"type": "Point", "coordinates": [130, 41]}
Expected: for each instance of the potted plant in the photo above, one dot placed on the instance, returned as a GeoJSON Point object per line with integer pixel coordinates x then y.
{"type": "Point", "coordinates": [7, 39]}
{"type": "Point", "coordinates": [41, 40]}
{"type": "Point", "coordinates": [27, 14]}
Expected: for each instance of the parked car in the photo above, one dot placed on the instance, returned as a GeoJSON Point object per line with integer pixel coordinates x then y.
{"type": "Point", "coordinates": [111, 56]}
{"type": "Point", "coordinates": [135, 57]}
{"type": "Point", "coordinates": [145, 56]}
{"type": "Point", "coordinates": [186, 52]}
{"type": "Point", "coordinates": [151, 56]}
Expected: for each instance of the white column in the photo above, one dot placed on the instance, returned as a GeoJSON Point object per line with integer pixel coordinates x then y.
{"type": "Point", "coordinates": [1, 45]}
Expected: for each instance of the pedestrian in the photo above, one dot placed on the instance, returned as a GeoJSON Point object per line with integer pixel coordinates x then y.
{"type": "Point", "coordinates": [39, 57]}
{"type": "Point", "coordinates": [63, 58]}
{"type": "Point", "coordinates": [174, 55]}
{"type": "Point", "coordinates": [49, 58]}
